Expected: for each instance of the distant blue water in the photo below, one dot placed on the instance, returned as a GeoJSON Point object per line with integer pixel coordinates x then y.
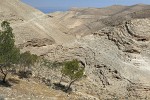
{"type": "Point", "coordinates": [50, 10]}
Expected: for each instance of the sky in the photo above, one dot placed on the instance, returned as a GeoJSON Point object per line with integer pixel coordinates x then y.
{"type": "Point", "coordinates": [56, 5]}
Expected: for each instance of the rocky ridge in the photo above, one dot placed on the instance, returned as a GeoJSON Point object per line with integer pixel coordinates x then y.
{"type": "Point", "coordinates": [88, 20]}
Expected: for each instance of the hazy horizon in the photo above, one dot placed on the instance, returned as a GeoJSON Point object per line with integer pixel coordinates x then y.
{"type": "Point", "coordinates": [51, 9]}
{"type": "Point", "coordinates": [63, 5]}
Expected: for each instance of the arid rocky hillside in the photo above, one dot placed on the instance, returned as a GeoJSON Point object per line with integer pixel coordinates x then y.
{"type": "Point", "coordinates": [88, 20]}
{"type": "Point", "coordinates": [29, 23]}
{"type": "Point", "coordinates": [114, 47]}
{"type": "Point", "coordinates": [112, 43]}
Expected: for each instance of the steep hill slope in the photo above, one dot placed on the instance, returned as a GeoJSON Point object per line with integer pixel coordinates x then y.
{"type": "Point", "coordinates": [29, 23]}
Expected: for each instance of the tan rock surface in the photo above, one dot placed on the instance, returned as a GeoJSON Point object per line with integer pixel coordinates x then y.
{"type": "Point", "coordinates": [29, 23]}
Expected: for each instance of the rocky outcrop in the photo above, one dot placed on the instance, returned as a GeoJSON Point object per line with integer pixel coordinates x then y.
{"type": "Point", "coordinates": [37, 43]}
{"type": "Point", "coordinates": [130, 36]}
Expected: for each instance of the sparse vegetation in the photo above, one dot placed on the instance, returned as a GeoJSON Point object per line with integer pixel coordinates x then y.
{"type": "Point", "coordinates": [27, 60]}
{"type": "Point", "coordinates": [10, 55]}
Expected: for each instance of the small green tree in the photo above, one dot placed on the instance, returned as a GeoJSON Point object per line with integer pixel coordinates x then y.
{"type": "Point", "coordinates": [9, 54]}
{"type": "Point", "coordinates": [73, 71]}
{"type": "Point", "coordinates": [27, 59]}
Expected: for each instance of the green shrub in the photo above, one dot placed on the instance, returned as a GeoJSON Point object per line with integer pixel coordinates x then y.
{"type": "Point", "coordinates": [27, 59]}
